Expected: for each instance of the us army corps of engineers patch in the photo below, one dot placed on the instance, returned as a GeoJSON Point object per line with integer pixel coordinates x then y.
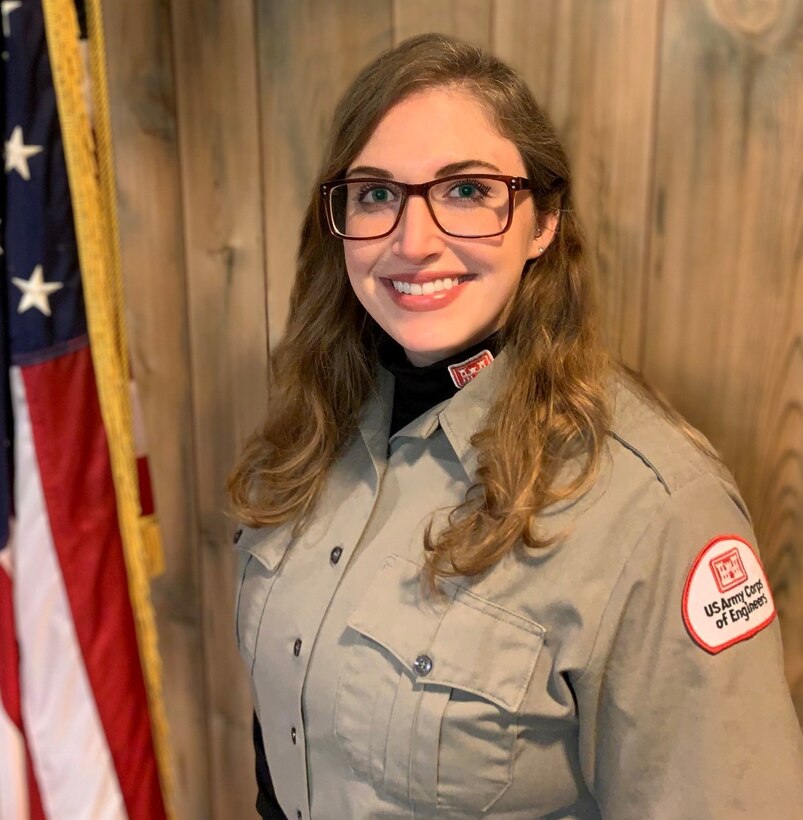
{"type": "Point", "coordinates": [726, 598]}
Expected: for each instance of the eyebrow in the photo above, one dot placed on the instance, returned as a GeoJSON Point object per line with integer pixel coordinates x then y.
{"type": "Point", "coordinates": [445, 171]}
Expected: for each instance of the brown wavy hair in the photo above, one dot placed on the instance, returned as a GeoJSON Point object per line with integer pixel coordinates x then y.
{"type": "Point", "coordinates": [552, 406]}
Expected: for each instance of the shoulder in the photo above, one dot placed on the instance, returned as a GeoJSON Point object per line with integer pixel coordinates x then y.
{"type": "Point", "coordinates": [643, 438]}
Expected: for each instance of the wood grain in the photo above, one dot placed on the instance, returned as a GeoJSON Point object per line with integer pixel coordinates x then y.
{"type": "Point", "coordinates": [467, 19]}
{"type": "Point", "coordinates": [309, 51]}
{"type": "Point", "coordinates": [144, 124]}
{"type": "Point", "coordinates": [216, 74]}
{"type": "Point", "coordinates": [592, 65]}
{"type": "Point", "coordinates": [724, 314]}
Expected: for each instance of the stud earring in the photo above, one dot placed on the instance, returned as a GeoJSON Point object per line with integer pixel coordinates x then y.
{"type": "Point", "coordinates": [540, 249]}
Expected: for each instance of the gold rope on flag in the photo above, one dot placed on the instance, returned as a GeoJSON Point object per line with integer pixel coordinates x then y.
{"type": "Point", "coordinates": [91, 174]}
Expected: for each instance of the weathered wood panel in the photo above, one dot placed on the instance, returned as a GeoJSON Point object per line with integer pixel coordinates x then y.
{"type": "Point", "coordinates": [309, 52]}
{"type": "Point", "coordinates": [216, 75]}
{"type": "Point", "coordinates": [470, 20]}
{"type": "Point", "coordinates": [592, 64]}
{"type": "Point", "coordinates": [723, 326]}
{"type": "Point", "coordinates": [144, 126]}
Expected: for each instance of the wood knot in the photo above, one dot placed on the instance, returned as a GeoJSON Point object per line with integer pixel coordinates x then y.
{"type": "Point", "coordinates": [753, 19]}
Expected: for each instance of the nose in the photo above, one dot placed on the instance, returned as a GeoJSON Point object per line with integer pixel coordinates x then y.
{"type": "Point", "coordinates": [417, 237]}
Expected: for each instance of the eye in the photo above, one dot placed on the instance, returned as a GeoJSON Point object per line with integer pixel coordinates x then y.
{"type": "Point", "coordinates": [469, 189]}
{"type": "Point", "coordinates": [373, 194]}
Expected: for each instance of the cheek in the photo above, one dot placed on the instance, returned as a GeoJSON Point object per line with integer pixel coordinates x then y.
{"type": "Point", "coordinates": [360, 261]}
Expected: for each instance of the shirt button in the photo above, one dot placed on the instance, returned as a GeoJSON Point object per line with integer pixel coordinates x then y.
{"type": "Point", "coordinates": [293, 734]}
{"type": "Point", "coordinates": [238, 534]}
{"type": "Point", "coordinates": [297, 647]}
{"type": "Point", "coordinates": [298, 815]}
{"type": "Point", "coordinates": [423, 664]}
{"type": "Point", "coordinates": [334, 555]}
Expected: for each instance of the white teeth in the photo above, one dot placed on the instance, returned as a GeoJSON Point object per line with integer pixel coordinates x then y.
{"type": "Point", "coordinates": [427, 288]}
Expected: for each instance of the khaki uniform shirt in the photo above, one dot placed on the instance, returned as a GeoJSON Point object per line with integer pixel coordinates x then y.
{"type": "Point", "coordinates": [562, 683]}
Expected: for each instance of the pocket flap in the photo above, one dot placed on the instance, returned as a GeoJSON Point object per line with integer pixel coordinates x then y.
{"type": "Point", "coordinates": [267, 544]}
{"type": "Point", "coordinates": [458, 640]}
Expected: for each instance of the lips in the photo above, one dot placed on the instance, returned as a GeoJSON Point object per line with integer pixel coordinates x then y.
{"type": "Point", "coordinates": [428, 287]}
{"type": "Point", "coordinates": [425, 291]}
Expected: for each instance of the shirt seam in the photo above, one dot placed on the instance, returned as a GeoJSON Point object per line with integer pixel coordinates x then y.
{"type": "Point", "coordinates": [643, 458]}
{"type": "Point", "coordinates": [625, 567]}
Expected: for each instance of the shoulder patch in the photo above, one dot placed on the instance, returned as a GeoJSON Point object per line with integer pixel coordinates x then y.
{"type": "Point", "coordinates": [726, 598]}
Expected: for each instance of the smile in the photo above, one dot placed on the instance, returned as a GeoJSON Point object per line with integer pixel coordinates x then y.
{"type": "Point", "coordinates": [430, 287]}
{"type": "Point", "coordinates": [424, 292]}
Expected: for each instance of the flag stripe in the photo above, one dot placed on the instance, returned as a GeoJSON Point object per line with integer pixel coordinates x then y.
{"type": "Point", "coordinates": [80, 499]}
{"type": "Point", "coordinates": [13, 774]}
{"type": "Point", "coordinates": [59, 712]}
{"type": "Point", "coordinates": [16, 767]}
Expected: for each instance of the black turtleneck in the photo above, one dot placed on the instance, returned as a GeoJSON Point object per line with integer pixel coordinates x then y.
{"type": "Point", "coordinates": [417, 389]}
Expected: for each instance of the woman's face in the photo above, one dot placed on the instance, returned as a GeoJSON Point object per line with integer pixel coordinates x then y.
{"type": "Point", "coordinates": [419, 139]}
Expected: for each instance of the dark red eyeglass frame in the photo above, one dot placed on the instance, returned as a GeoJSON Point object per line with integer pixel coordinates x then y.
{"type": "Point", "coordinates": [408, 189]}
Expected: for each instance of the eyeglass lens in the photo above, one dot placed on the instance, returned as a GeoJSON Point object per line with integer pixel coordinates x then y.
{"type": "Point", "coordinates": [470, 207]}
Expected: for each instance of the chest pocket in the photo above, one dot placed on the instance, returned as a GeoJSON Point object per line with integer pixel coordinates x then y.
{"type": "Point", "coordinates": [259, 557]}
{"type": "Point", "coordinates": [428, 700]}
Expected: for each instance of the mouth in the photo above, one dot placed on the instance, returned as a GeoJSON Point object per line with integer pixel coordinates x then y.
{"type": "Point", "coordinates": [427, 287]}
{"type": "Point", "coordinates": [424, 292]}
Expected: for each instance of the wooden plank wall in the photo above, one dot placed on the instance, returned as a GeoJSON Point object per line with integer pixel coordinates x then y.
{"type": "Point", "coordinates": [684, 121]}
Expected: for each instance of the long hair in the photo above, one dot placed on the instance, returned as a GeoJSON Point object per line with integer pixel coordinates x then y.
{"type": "Point", "coordinates": [552, 406]}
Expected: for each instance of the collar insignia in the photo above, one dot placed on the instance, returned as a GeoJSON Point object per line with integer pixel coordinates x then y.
{"type": "Point", "coordinates": [463, 372]}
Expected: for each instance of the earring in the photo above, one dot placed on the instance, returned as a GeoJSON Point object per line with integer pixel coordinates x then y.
{"type": "Point", "coordinates": [538, 233]}
{"type": "Point", "coordinates": [540, 249]}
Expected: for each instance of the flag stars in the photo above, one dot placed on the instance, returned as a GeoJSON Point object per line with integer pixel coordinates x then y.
{"type": "Point", "coordinates": [6, 7]}
{"type": "Point", "coordinates": [18, 153]}
{"type": "Point", "coordinates": [36, 292]}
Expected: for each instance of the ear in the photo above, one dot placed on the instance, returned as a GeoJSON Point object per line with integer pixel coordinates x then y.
{"type": "Point", "coordinates": [546, 225]}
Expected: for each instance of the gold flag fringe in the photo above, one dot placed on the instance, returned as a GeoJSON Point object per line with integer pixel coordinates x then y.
{"type": "Point", "coordinates": [91, 174]}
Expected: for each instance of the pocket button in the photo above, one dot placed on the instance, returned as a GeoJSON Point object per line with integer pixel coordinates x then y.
{"type": "Point", "coordinates": [423, 664]}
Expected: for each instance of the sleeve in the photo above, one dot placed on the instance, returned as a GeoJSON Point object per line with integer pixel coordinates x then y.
{"type": "Point", "coordinates": [267, 805]}
{"type": "Point", "coordinates": [671, 729]}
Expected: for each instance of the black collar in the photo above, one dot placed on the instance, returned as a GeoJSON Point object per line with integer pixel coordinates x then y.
{"type": "Point", "coordinates": [417, 389]}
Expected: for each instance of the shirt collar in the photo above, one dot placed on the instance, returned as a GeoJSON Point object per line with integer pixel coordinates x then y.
{"type": "Point", "coordinates": [459, 417]}
{"type": "Point", "coordinates": [465, 413]}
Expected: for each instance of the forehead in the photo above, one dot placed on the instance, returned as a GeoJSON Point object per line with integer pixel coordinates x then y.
{"type": "Point", "coordinates": [435, 128]}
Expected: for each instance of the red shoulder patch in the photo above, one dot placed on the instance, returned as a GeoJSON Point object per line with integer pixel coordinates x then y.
{"type": "Point", "coordinates": [726, 598]}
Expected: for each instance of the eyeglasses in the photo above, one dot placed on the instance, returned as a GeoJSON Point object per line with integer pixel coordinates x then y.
{"type": "Point", "coordinates": [473, 206]}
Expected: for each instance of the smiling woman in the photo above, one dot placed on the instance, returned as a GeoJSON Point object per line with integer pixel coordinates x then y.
{"type": "Point", "coordinates": [408, 243]}
{"type": "Point", "coordinates": [483, 572]}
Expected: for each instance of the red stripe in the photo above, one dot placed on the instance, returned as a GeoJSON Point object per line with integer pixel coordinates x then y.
{"type": "Point", "coordinates": [145, 491]}
{"type": "Point", "coordinates": [74, 463]}
{"type": "Point", "coordinates": [9, 655]}
{"type": "Point", "coordinates": [35, 809]}
{"type": "Point", "coordinates": [10, 686]}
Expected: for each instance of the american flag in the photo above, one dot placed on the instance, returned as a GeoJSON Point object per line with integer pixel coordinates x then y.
{"type": "Point", "coordinates": [75, 735]}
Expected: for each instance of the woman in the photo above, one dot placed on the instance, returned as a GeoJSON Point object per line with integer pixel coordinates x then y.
{"type": "Point", "coordinates": [483, 573]}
